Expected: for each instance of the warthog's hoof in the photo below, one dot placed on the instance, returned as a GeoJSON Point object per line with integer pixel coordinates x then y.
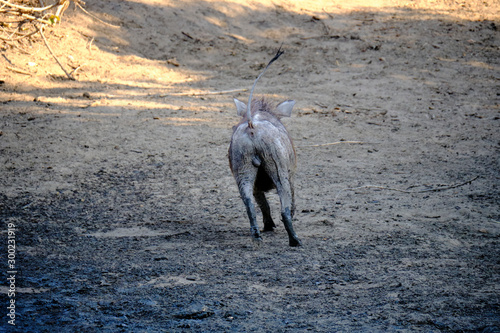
{"type": "Point", "coordinates": [269, 225]}
{"type": "Point", "coordinates": [295, 242]}
{"type": "Point", "coordinates": [257, 242]}
{"type": "Point", "coordinates": [268, 228]}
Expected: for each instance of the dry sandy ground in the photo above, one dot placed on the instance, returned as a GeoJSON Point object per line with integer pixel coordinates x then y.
{"type": "Point", "coordinates": [127, 217]}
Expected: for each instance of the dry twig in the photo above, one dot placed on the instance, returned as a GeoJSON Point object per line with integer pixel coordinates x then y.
{"type": "Point", "coordinates": [20, 22]}
{"type": "Point", "coordinates": [95, 17]}
{"type": "Point", "coordinates": [17, 70]}
{"type": "Point", "coordinates": [320, 36]}
{"type": "Point", "coordinates": [30, 9]}
{"type": "Point", "coordinates": [333, 143]}
{"type": "Point", "coordinates": [435, 189]}
{"type": "Point", "coordinates": [53, 54]}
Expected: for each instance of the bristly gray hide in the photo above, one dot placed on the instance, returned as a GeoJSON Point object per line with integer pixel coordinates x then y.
{"type": "Point", "coordinates": [262, 157]}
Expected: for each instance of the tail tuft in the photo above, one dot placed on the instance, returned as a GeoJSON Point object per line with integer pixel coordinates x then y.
{"type": "Point", "coordinates": [249, 112]}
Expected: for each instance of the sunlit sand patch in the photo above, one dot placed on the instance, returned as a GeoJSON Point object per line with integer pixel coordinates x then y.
{"type": "Point", "coordinates": [177, 121]}
{"type": "Point", "coordinates": [481, 64]}
{"type": "Point", "coordinates": [425, 9]}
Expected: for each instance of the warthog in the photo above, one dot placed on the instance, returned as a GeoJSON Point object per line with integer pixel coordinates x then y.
{"type": "Point", "coordinates": [262, 157]}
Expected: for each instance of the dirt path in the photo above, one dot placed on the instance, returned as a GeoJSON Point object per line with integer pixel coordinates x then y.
{"type": "Point", "coordinates": [127, 217]}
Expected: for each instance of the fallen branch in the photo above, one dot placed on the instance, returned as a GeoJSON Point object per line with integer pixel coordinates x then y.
{"type": "Point", "coordinates": [29, 9]}
{"type": "Point", "coordinates": [320, 36]}
{"type": "Point", "coordinates": [333, 143]}
{"type": "Point", "coordinates": [16, 46]}
{"type": "Point", "coordinates": [16, 19]}
{"type": "Point", "coordinates": [443, 188]}
{"type": "Point", "coordinates": [33, 18]}
{"type": "Point", "coordinates": [40, 30]}
{"type": "Point", "coordinates": [95, 17]}
{"type": "Point", "coordinates": [10, 39]}
{"type": "Point", "coordinates": [17, 70]}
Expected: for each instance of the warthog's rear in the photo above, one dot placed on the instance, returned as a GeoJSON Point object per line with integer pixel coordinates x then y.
{"type": "Point", "coordinates": [262, 158]}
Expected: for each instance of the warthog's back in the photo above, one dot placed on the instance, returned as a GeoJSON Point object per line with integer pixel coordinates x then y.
{"type": "Point", "coordinates": [266, 145]}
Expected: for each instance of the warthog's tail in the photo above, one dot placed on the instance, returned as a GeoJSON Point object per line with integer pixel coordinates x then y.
{"type": "Point", "coordinates": [249, 112]}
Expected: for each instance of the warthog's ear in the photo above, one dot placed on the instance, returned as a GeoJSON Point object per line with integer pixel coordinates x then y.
{"type": "Point", "coordinates": [240, 107]}
{"type": "Point", "coordinates": [284, 109]}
